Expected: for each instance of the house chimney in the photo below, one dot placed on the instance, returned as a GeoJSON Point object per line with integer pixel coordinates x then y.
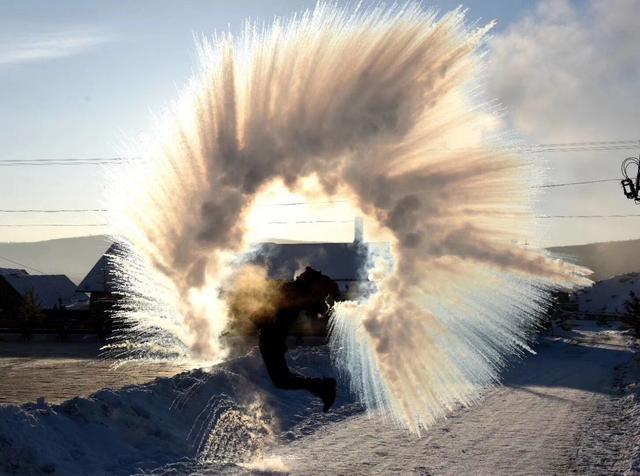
{"type": "Point", "coordinates": [358, 230]}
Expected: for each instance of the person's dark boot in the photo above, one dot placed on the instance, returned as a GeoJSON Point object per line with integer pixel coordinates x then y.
{"type": "Point", "coordinates": [325, 390]}
{"type": "Point", "coordinates": [327, 393]}
{"type": "Point", "coordinates": [330, 396]}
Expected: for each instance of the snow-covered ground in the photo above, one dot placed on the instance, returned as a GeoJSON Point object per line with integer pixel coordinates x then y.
{"type": "Point", "coordinates": [608, 295]}
{"type": "Point", "coordinates": [569, 408]}
{"type": "Point", "coordinates": [220, 416]}
{"type": "Point", "coordinates": [566, 409]}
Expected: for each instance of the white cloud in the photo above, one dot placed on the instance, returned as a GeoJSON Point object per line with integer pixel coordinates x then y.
{"type": "Point", "coordinates": [46, 46]}
{"type": "Point", "coordinates": [569, 72]}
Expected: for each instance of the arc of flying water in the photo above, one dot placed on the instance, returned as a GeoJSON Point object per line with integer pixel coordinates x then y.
{"type": "Point", "coordinates": [364, 103]}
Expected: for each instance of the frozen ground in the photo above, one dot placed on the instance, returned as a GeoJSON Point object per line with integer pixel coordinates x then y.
{"type": "Point", "coordinates": [570, 408]}
{"type": "Point", "coordinates": [58, 371]}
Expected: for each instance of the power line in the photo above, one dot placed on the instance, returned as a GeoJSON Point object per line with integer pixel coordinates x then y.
{"type": "Point", "coordinates": [555, 147]}
{"type": "Point", "coordinates": [551, 147]}
{"type": "Point", "coordinates": [22, 264]}
{"type": "Point", "coordinates": [297, 222]}
{"type": "Point", "coordinates": [304, 222]}
{"type": "Point", "coordinates": [589, 216]}
{"type": "Point", "coordinates": [537, 216]}
{"type": "Point", "coordinates": [101, 210]}
{"type": "Point", "coordinates": [82, 159]}
{"type": "Point", "coordinates": [67, 161]}
{"type": "Point", "coordinates": [587, 182]}
{"type": "Point", "coordinates": [635, 142]}
{"type": "Point", "coordinates": [541, 148]}
{"type": "Point", "coordinates": [51, 224]}
{"type": "Point", "coordinates": [286, 204]}
{"type": "Point", "coordinates": [53, 210]}
{"type": "Point", "coordinates": [72, 159]}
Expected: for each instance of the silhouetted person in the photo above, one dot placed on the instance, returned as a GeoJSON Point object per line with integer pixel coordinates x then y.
{"type": "Point", "coordinates": [311, 293]}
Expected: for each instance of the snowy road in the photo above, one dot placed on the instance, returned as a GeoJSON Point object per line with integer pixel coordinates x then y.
{"type": "Point", "coordinates": [560, 411]}
{"type": "Point", "coordinates": [568, 409]}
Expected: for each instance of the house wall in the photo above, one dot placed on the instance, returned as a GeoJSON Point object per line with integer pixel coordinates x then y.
{"type": "Point", "coordinates": [10, 301]}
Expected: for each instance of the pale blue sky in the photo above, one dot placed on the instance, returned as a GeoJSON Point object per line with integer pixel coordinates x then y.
{"type": "Point", "coordinates": [78, 78]}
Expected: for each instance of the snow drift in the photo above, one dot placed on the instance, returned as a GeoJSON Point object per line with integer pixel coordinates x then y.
{"type": "Point", "coordinates": [608, 295]}
{"type": "Point", "coordinates": [216, 419]}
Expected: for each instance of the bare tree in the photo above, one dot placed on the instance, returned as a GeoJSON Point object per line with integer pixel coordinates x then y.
{"type": "Point", "coordinates": [30, 313]}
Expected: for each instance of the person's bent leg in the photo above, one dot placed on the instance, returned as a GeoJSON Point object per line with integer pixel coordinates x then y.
{"type": "Point", "coordinates": [282, 377]}
{"type": "Point", "coordinates": [323, 388]}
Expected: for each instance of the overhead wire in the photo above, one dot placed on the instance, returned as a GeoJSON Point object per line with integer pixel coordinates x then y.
{"type": "Point", "coordinates": [551, 147]}
{"type": "Point", "coordinates": [51, 224]}
{"type": "Point", "coordinates": [66, 161]}
{"type": "Point", "coordinates": [284, 204]}
{"type": "Point", "coordinates": [586, 182]}
{"type": "Point", "coordinates": [631, 215]}
{"type": "Point", "coordinates": [53, 210]}
{"type": "Point", "coordinates": [300, 222]}
{"type": "Point", "coordinates": [556, 147]}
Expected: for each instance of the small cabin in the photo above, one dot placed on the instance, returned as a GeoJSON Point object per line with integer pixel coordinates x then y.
{"type": "Point", "coordinates": [51, 292]}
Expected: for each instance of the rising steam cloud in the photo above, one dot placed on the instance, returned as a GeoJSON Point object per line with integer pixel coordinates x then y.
{"type": "Point", "coordinates": [380, 107]}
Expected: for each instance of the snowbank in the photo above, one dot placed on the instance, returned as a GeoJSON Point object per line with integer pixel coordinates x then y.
{"type": "Point", "coordinates": [609, 295]}
{"type": "Point", "coordinates": [218, 417]}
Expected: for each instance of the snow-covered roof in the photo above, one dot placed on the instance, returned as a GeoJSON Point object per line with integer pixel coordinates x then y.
{"type": "Point", "coordinates": [50, 290]}
{"type": "Point", "coordinates": [101, 278]}
{"type": "Point", "coordinates": [82, 305]}
{"type": "Point", "coordinates": [340, 261]}
{"type": "Point", "coordinates": [609, 295]}
{"type": "Point", "coordinates": [9, 271]}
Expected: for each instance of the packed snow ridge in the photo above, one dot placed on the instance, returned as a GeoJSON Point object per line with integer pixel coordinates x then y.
{"type": "Point", "coordinates": [221, 417]}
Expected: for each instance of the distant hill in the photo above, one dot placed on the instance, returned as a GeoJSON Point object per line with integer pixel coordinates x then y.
{"type": "Point", "coordinates": [71, 256]}
{"type": "Point", "coordinates": [605, 259]}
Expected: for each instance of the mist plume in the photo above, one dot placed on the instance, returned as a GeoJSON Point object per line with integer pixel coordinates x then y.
{"type": "Point", "coordinates": [378, 106]}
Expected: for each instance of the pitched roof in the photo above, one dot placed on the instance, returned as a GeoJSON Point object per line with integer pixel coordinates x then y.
{"type": "Point", "coordinates": [50, 290]}
{"type": "Point", "coordinates": [101, 278]}
{"type": "Point", "coordinates": [8, 271]}
{"type": "Point", "coordinates": [339, 261]}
